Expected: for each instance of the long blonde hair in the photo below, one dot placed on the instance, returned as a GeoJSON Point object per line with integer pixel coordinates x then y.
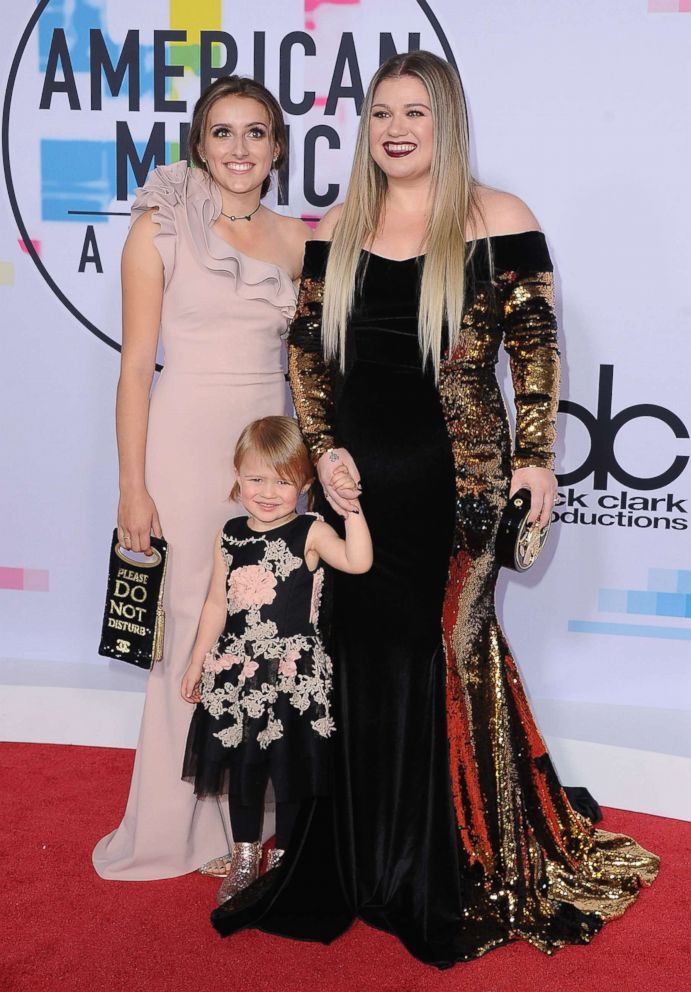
{"type": "Point", "coordinates": [454, 204]}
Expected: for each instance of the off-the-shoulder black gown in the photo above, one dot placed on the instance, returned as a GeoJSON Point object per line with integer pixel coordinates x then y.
{"type": "Point", "coordinates": [448, 826]}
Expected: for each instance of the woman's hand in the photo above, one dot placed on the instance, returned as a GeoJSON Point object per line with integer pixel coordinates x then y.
{"type": "Point", "coordinates": [542, 484]}
{"type": "Point", "coordinates": [137, 517]}
{"type": "Point", "coordinates": [343, 499]}
{"type": "Point", "coordinates": [189, 688]}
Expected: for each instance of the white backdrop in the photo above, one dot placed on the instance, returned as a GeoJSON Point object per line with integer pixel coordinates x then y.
{"type": "Point", "coordinates": [581, 108]}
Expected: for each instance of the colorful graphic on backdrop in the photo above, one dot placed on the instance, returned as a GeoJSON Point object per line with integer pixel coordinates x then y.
{"type": "Point", "coordinates": [25, 579]}
{"type": "Point", "coordinates": [669, 6]}
{"type": "Point", "coordinates": [668, 594]}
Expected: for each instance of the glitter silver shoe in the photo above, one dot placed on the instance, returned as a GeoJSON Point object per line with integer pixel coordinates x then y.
{"type": "Point", "coordinates": [273, 858]}
{"type": "Point", "coordinates": [242, 870]}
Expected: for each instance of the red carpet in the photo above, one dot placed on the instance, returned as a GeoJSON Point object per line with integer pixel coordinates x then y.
{"type": "Point", "coordinates": [66, 930]}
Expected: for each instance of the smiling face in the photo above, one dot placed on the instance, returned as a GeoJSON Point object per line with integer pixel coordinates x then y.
{"type": "Point", "coordinates": [237, 144]}
{"type": "Point", "coordinates": [401, 129]}
{"type": "Point", "coordinates": [267, 496]}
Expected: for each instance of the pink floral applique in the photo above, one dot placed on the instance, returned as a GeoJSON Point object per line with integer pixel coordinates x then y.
{"type": "Point", "coordinates": [249, 668]}
{"type": "Point", "coordinates": [221, 663]}
{"type": "Point", "coordinates": [317, 585]}
{"type": "Point", "coordinates": [252, 585]}
{"type": "Point", "coordinates": [287, 664]}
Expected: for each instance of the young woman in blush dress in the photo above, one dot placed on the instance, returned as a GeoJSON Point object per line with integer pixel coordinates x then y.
{"type": "Point", "coordinates": [210, 270]}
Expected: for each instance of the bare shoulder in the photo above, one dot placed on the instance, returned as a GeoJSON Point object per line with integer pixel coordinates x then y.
{"type": "Point", "coordinates": [318, 532]}
{"type": "Point", "coordinates": [503, 213]}
{"type": "Point", "coordinates": [293, 233]}
{"type": "Point", "coordinates": [319, 527]}
{"type": "Point", "coordinates": [294, 228]}
{"type": "Point", "coordinates": [314, 542]}
{"type": "Point", "coordinates": [327, 225]}
{"type": "Point", "coordinates": [145, 227]}
{"type": "Point", "coordinates": [139, 252]}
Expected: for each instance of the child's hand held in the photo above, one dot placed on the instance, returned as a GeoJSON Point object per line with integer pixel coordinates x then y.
{"type": "Point", "coordinates": [346, 487]}
{"type": "Point", "coordinates": [329, 464]}
{"type": "Point", "coordinates": [343, 482]}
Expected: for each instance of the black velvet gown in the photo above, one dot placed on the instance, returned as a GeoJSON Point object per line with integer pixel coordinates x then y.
{"type": "Point", "coordinates": [448, 826]}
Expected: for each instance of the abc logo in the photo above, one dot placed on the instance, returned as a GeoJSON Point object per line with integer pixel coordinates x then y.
{"type": "Point", "coordinates": [603, 428]}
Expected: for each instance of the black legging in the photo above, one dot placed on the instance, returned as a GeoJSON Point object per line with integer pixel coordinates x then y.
{"type": "Point", "coordinates": [246, 822]}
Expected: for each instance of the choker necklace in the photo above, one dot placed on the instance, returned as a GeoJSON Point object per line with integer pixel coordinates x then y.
{"type": "Point", "coordinates": [242, 216]}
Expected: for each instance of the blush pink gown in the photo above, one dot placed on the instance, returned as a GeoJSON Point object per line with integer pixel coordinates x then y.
{"type": "Point", "coordinates": [223, 321]}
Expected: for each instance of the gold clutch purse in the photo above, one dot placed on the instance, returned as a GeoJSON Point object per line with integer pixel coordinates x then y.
{"type": "Point", "coordinates": [518, 542]}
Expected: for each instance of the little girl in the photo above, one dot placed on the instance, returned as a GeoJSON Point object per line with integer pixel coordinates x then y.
{"type": "Point", "coordinates": [259, 673]}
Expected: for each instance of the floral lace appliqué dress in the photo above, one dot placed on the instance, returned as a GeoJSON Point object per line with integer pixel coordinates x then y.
{"type": "Point", "coordinates": [265, 710]}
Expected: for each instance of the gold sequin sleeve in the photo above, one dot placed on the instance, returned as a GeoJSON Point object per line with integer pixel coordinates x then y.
{"type": "Point", "coordinates": [311, 378]}
{"type": "Point", "coordinates": [530, 338]}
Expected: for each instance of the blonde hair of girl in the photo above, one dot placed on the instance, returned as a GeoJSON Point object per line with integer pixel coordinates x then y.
{"type": "Point", "coordinates": [278, 442]}
{"type": "Point", "coordinates": [454, 206]}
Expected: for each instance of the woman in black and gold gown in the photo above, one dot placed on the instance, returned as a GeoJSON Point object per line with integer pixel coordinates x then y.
{"type": "Point", "coordinates": [448, 826]}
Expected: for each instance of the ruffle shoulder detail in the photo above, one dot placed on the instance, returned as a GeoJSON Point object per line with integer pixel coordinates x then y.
{"type": "Point", "coordinates": [164, 189]}
{"type": "Point", "coordinates": [189, 204]}
{"type": "Point", "coordinates": [254, 279]}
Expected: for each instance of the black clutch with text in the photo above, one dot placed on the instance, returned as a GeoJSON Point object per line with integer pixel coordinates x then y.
{"type": "Point", "coordinates": [518, 542]}
{"type": "Point", "coordinates": [133, 620]}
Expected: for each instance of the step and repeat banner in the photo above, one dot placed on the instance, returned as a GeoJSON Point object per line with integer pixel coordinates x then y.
{"type": "Point", "coordinates": [583, 110]}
